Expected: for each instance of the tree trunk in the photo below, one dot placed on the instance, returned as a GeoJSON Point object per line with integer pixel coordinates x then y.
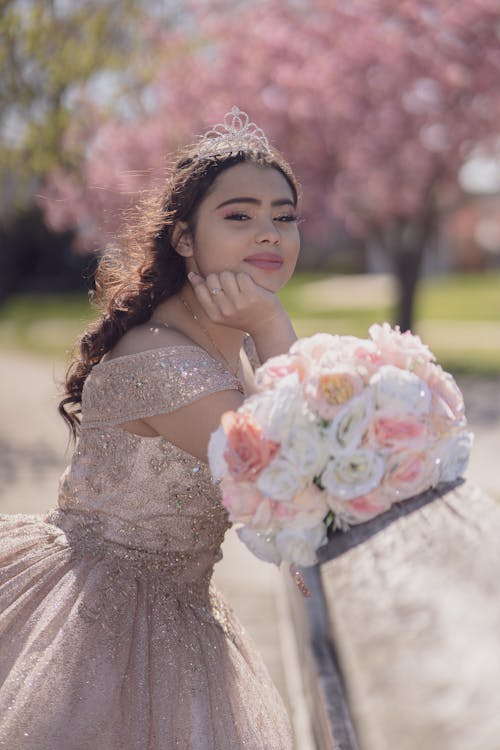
{"type": "Point", "coordinates": [407, 266]}
{"type": "Point", "coordinates": [406, 240]}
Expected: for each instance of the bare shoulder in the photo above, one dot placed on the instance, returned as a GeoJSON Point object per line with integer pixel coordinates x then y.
{"type": "Point", "coordinates": [145, 337]}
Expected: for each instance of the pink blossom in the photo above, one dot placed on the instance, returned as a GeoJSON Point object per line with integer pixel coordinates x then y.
{"type": "Point", "coordinates": [248, 451]}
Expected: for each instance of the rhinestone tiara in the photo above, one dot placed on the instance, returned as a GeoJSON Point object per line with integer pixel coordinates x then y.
{"type": "Point", "coordinates": [235, 134]}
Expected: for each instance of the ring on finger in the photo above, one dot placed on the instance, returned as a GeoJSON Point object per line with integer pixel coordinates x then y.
{"type": "Point", "coordinates": [216, 290]}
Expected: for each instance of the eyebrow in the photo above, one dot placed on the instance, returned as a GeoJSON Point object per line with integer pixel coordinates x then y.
{"type": "Point", "coordinates": [257, 202]}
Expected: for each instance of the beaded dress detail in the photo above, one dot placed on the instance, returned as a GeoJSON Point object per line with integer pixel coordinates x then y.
{"type": "Point", "coordinates": [111, 634]}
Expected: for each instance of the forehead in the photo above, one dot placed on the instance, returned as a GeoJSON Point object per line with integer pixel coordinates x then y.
{"type": "Point", "coordinates": [250, 180]}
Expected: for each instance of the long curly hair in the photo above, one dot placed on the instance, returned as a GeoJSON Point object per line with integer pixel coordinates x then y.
{"type": "Point", "coordinates": [132, 279]}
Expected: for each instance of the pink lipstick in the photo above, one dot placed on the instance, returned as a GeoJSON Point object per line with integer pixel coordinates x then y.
{"type": "Point", "coordinates": [268, 261]}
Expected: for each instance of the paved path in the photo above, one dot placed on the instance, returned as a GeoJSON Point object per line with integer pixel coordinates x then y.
{"type": "Point", "coordinates": [34, 450]}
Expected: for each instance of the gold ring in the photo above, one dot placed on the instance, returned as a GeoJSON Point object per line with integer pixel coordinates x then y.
{"type": "Point", "coordinates": [216, 290]}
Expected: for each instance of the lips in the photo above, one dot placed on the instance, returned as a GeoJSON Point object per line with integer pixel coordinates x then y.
{"type": "Point", "coordinates": [269, 261]}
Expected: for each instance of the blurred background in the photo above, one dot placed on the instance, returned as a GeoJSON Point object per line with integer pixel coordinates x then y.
{"type": "Point", "coordinates": [388, 110]}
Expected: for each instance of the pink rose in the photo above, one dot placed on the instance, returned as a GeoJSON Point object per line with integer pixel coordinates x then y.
{"type": "Point", "coordinates": [388, 432]}
{"type": "Point", "coordinates": [409, 473]}
{"type": "Point", "coordinates": [248, 451]}
{"type": "Point", "coordinates": [362, 508]}
{"type": "Point", "coordinates": [399, 349]}
{"type": "Point", "coordinates": [245, 503]}
{"type": "Point", "coordinates": [277, 368]}
{"type": "Point", "coordinates": [328, 390]}
{"type": "Point", "coordinates": [360, 353]}
{"type": "Point", "coordinates": [447, 400]}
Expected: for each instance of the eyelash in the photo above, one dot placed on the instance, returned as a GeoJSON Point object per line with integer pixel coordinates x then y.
{"type": "Point", "coordinates": [237, 216]}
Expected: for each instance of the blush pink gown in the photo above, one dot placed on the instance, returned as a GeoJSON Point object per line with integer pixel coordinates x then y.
{"type": "Point", "coordinates": [111, 635]}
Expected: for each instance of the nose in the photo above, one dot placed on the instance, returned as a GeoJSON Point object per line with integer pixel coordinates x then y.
{"type": "Point", "coordinates": [268, 233]}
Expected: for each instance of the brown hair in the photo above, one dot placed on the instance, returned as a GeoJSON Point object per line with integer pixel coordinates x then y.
{"type": "Point", "coordinates": [145, 270]}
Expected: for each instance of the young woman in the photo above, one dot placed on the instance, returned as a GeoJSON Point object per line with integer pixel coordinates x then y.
{"type": "Point", "coordinates": [111, 636]}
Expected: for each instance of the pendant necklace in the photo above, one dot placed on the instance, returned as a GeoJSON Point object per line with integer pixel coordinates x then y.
{"type": "Point", "coordinates": [214, 345]}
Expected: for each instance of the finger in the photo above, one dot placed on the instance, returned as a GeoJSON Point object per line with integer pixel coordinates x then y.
{"type": "Point", "coordinates": [205, 299]}
{"type": "Point", "coordinates": [195, 279]}
{"type": "Point", "coordinates": [214, 284]}
{"type": "Point", "coordinates": [230, 285]}
{"type": "Point", "coordinates": [246, 284]}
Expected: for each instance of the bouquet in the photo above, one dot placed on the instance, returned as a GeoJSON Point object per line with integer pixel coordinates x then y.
{"type": "Point", "coordinates": [340, 429]}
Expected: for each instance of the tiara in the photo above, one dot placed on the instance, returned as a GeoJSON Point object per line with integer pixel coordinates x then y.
{"type": "Point", "coordinates": [235, 134]}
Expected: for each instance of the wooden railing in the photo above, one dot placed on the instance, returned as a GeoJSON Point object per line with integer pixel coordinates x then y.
{"type": "Point", "coordinates": [400, 640]}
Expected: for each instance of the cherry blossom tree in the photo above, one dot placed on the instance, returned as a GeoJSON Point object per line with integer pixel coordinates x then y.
{"type": "Point", "coordinates": [377, 103]}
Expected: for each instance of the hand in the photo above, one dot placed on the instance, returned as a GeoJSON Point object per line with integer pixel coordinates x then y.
{"type": "Point", "coordinates": [235, 300]}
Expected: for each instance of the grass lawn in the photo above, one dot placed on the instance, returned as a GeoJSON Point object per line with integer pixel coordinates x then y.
{"type": "Point", "coordinates": [457, 315]}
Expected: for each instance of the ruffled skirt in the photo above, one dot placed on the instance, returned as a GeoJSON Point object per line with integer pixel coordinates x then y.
{"type": "Point", "coordinates": [96, 656]}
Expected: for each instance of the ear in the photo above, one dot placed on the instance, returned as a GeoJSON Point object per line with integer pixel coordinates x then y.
{"type": "Point", "coordinates": [182, 239]}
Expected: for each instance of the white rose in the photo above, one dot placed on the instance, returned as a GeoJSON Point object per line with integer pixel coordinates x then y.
{"type": "Point", "coordinates": [313, 347]}
{"type": "Point", "coordinates": [299, 546]}
{"type": "Point", "coordinates": [347, 429]}
{"type": "Point", "coordinates": [275, 411]}
{"type": "Point", "coordinates": [399, 390]}
{"type": "Point", "coordinates": [262, 545]}
{"type": "Point", "coordinates": [280, 480]}
{"type": "Point", "coordinates": [310, 508]}
{"type": "Point", "coordinates": [349, 476]}
{"type": "Point", "coordinates": [305, 447]}
{"type": "Point", "coordinates": [453, 456]}
{"type": "Point", "coordinates": [216, 448]}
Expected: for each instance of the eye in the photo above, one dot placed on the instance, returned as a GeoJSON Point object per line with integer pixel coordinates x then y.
{"type": "Point", "coordinates": [286, 217]}
{"type": "Point", "coordinates": [237, 216]}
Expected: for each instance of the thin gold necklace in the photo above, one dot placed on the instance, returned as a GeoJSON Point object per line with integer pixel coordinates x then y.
{"type": "Point", "coordinates": [235, 372]}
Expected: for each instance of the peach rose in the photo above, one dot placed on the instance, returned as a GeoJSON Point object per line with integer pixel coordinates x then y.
{"type": "Point", "coordinates": [307, 509]}
{"type": "Point", "coordinates": [248, 451]}
{"type": "Point", "coordinates": [327, 390]}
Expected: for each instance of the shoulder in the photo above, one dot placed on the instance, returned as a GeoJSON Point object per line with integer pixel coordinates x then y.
{"type": "Point", "coordinates": [147, 337]}
{"type": "Point", "coordinates": [145, 376]}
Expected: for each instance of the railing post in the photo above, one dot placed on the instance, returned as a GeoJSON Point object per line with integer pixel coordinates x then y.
{"type": "Point", "coordinates": [400, 641]}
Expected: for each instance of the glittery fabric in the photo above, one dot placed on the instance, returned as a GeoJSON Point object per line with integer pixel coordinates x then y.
{"type": "Point", "coordinates": [111, 635]}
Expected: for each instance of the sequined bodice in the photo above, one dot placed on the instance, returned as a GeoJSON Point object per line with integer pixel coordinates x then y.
{"type": "Point", "coordinates": [142, 493]}
{"type": "Point", "coordinates": [112, 636]}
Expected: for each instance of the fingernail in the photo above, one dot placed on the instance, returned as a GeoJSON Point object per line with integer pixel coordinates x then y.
{"type": "Point", "coordinates": [191, 275]}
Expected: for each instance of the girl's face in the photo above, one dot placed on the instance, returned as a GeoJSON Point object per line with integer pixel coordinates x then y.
{"type": "Point", "coordinates": [246, 222]}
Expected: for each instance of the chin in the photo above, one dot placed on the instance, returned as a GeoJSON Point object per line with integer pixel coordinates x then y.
{"type": "Point", "coordinates": [273, 281]}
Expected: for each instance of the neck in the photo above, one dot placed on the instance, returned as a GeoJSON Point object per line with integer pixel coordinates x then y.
{"type": "Point", "coordinates": [175, 314]}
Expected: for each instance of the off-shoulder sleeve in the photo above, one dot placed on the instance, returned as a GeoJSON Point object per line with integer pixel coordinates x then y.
{"type": "Point", "coordinates": [148, 383]}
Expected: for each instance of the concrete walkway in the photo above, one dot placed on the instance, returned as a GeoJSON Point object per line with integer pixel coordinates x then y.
{"type": "Point", "coordinates": [34, 450]}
